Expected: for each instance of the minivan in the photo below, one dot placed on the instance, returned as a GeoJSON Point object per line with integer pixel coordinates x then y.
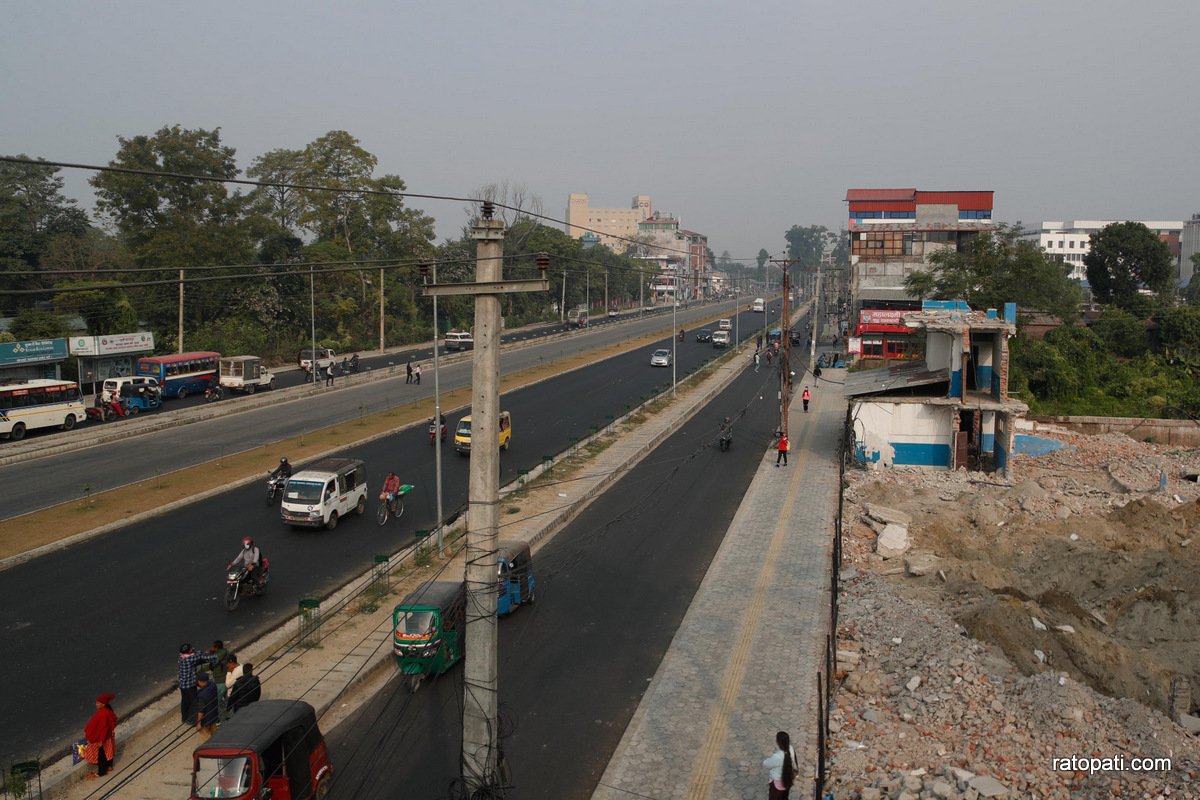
{"type": "Point", "coordinates": [321, 494]}
{"type": "Point", "coordinates": [459, 341]}
{"type": "Point", "coordinates": [724, 325]}
{"type": "Point", "coordinates": [720, 339]}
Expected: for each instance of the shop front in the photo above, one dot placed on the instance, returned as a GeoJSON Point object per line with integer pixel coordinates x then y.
{"type": "Point", "coordinates": [40, 358]}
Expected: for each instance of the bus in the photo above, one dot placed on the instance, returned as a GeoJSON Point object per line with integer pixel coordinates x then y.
{"type": "Point", "coordinates": [759, 305]}
{"type": "Point", "coordinates": [39, 403]}
{"type": "Point", "coordinates": [181, 374]}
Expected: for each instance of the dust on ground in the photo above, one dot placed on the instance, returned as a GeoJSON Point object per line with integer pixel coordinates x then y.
{"type": "Point", "coordinates": [1051, 615]}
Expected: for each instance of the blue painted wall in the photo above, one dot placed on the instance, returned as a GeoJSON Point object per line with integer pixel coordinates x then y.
{"type": "Point", "coordinates": [1036, 445]}
{"type": "Point", "coordinates": [956, 379]}
{"type": "Point", "coordinates": [922, 455]}
{"type": "Point", "coordinates": [987, 442]}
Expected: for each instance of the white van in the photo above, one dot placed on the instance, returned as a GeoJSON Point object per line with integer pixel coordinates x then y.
{"type": "Point", "coordinates": [760, 305]}
{"type": "Point", "coordinates": [720, 339]}
{"type": "Point", "coordinates": [459, 341]}
{"type": "Point", "coordinates": [321, 494]}
{"type": "Point", "coordinates": [128, 386]}
{"type": "Point", "coordinates": [724, 325]}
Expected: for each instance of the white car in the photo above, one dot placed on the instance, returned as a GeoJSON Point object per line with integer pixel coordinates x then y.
{"type": "Point", "coordinates": [660, 358]}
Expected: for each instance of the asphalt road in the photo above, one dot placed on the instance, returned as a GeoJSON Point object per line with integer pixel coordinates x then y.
{"type": "Point", "coordinates": [32, 485]}
{"type": "Point", "coordinates": [612, 588]}
{"type": "Point", "coordinates": [108, 614]}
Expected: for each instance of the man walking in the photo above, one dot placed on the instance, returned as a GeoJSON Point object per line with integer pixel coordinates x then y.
{"type": "Point", "coordinates": [408, 372]}
{"type": "Point", "coordinates": [417, 373]}
{"type": "Point", "coordinates": [783, 449]}
{"type": "Point", "coordinates": [329, 375]}
{"type": "Point", "coordinates": [206, 707]}
{"type": "Point", "coordinates": [756, 361]}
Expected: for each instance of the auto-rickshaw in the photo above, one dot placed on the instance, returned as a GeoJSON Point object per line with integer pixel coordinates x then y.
{"type": "Point", "coordinates": [271, 748]}
{"type": "Point", "coordinates": [427, 630]}
{"type": "Point", "coordinates": [514, 576]}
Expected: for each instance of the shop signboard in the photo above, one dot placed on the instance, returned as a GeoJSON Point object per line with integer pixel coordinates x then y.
{"type": "Point", "coordinates": [33, 352]}
{"type": "Point", "coordinates": [883, 316]}
{"type": "Point", "coordinates": [112, 344]}
{"type": "Point", "coordinates": [854, 345]}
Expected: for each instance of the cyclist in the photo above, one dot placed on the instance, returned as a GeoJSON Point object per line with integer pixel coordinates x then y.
{"type": "Point", "coordinates": [391, 487]}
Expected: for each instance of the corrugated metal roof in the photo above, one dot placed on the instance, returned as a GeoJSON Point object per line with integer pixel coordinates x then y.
{"type": "Point", "coordinates": [893, 378]}
{"type": "Point", "coordinates": [968, 200]}
{"type": "Point", "coordinates": [880, 194]}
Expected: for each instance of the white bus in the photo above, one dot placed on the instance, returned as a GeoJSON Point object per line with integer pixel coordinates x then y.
{"type": "Point", "coordinates": [39, 403]}
{"type": "Point", "coordinates": [760, 305]}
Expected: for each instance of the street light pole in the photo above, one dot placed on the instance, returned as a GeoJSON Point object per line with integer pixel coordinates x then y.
{"type": "Point", "coordinates": [674, 338]}
{"type": "Point", "coordinates": [437, 418]}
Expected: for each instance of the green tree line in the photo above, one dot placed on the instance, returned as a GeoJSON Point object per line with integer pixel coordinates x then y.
{"type": "Point", "coordinates": [254, 248]}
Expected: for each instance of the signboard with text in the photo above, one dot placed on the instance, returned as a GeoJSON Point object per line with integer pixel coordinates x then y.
{"type": "Point", "coordinates": [112, 344]}
{"type": "Point", "coordinates": [32, 352]}
{"type": "Point", "coordinates": [882, 316]}
{"type": "Point", "coordinates": [854, 345]}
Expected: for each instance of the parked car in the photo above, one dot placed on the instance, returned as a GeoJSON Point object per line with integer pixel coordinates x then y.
{"type": "Point", "coordinates": [720, 339]}
{"type": "Point", "coordinates": [704, 335]}
{"type": "Point", "coordinates": [612, 312]}
{"type": "Point", "coordinates": [660, 358]}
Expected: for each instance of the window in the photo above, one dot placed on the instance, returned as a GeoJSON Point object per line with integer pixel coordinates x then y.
{"type": "Point", "coordinates": [1072, 244]}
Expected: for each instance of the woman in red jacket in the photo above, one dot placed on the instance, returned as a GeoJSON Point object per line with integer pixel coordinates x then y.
{"type": "Point", "coordinates": [101, 737]}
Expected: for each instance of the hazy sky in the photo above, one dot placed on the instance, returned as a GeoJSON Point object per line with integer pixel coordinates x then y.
{"type": "Point", "coordinates": [742, 118]}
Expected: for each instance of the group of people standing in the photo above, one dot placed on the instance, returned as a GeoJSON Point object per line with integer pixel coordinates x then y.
{"type": "Point", "coordinates": [412, 372]}
{"type": "Point", "coordinates": [213, 686]}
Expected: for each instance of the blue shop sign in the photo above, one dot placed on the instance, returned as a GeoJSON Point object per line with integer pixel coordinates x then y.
{"type": "Point", "coordinates": [35, 352]}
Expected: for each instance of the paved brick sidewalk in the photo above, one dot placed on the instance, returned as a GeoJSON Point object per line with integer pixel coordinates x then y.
{"type": "Point", "coordinates": [744, 663]}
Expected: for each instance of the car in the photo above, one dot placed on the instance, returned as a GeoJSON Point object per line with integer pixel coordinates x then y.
{"type": "Point", "coordinates": [704, 335]}
{"type": "Point", "coordinates": [612, 312]}
{"type": "Point", "coordinates": [720, 339]}
{"type": "Point", "coordinates": [660, 358]}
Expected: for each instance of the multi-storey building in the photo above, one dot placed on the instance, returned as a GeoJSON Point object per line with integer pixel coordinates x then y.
{"type": "Point", "coordinates": [616, 227]}
{"type": "Point", "coordinates": [1073, 240]}
{"type": "Point", "coordinates": [1189, 245]}
{"type": "Point", "coordinates": [893, 233]}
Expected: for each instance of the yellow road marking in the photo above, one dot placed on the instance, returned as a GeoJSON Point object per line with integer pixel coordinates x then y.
{"type": "Point", "coordinates": [705, 765]}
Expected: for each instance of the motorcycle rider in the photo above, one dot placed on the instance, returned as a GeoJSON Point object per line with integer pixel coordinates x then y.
{"type": "Point", "coordinates": [726, 436]}
{"type": "Point", "coordinates": [391, 486]}
{"type": "Point", "coordinates": [283, 471]}
{"type": "Point", "coordinates": [681, 334]}
{"type": "Point", "coordinates": [251, 557]}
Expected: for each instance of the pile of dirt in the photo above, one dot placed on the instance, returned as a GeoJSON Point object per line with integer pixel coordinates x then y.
{"type": "Point", "coordinates": [1083, 571]}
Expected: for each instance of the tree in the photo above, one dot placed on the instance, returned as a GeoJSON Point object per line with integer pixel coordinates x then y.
{"type": "Point", "coordinates": [807, 245]}
{"type": "Point", "coordinates": [1124, 257]}
{"type": "Point", "coordinates": [1191, 294]}
{"type": "Point", "coordinates": [335, 160]}
{"type": "Point", "coordinates": [30, 324]}
{"type": "Point", "coordinates": [1179, 333]}
{"type": "Point", "coordinates": [33, 212]}
{"type": "Point", "coordinates": [761, 258]}
{"type": "Point", "coordinates": [102, 305]}
{"type": "Point", "coordinates": [1121, 332]}
{"type": "Point", "coordinates": [1000, 268]}
{"type": "Point", "coordinates": [175, 222]}
{"type": "Point", "coordinates": [281, 202]}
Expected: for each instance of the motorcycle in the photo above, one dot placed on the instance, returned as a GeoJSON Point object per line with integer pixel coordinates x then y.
{"type": "Point", "coordinates": [725, 441]}
{"type": "Point", "coordinates": [433, 431]}
{"type": "Point", "coordinates": [214, 392]}
{"type": "Point", "coordinates": [681, 334]}
{"type": "Point", "coordinates": [238, 584]}
{"type": "Point", "coordinates": [275, 487]}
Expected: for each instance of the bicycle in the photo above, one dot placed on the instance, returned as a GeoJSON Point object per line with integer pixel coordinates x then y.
{"type": "Point", "coordinates": [393, 507]}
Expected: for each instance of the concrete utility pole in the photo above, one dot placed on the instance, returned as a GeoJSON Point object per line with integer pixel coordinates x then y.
{"type": "Point", "coordinates": [180, 335]}
{"type": "Point", "coordinates": [785, 344]}
{"type": "Point", "coordinates": [480, 741]}
{"type": "Point", "coordinates": [381, 345]}
{"type": "Point", "coordinates": [816, 320]}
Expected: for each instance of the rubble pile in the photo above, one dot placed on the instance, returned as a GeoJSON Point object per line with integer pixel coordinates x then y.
{"type": "Point", "coordinates": [989, 626]}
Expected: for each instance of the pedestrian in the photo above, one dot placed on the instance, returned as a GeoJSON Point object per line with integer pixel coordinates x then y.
{"type": "Point", "coordinates": [246, 690]}
{"type": "Point", "coordinates": [408, 372]}
{"type": "Point", "coordinates": [417, 373]}
{"type": "Point", "coordinates": [189, 661]}
{"type": "Point", "coordinates": [217, 649]}
{"type": "Point", "coordinates": [206, 706]}
{"type": "Point", "coordinates": [781, 454]}
{"type": "Point", "coordinates": [758, 343]}
{"type": "Point", "coordinates": [781, 768]}
{"type": "Point", "coordinates": [233, 671]}
{"type": "Point", "coordinates": [805, 396]}
{"type": "Point", "coordinates": [817, 372]}
{"type": "Point", "coordinates": [100, 733]}
{"type": "Point", "coordinates": [329, 375]}
{"type": "Point", "coordinates": [756, 361]}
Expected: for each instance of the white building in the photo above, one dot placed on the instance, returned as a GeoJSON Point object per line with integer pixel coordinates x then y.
{"type": "Point", "coordinates": [1073, 240]}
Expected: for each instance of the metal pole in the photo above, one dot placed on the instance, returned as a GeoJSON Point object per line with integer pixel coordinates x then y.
{"type": "Point", "coordinates": [606, 305]}
{"type": "Point", "coordinates": [674, 337]}
{"type": "Point", "coordinates": [312, 320]}
{"type": "Point", "coordinates": [816, 318]}
{"type": "Point", "coordinates": [480, 746]}
{"type": "Point", "coordinates": [437, 423]}
{"type": "Point", "coordinates": [180, 335]}
{"type": "Point", "coordinates": [562, 307]}
{"type": "Point", "coordinates": [381, 344]}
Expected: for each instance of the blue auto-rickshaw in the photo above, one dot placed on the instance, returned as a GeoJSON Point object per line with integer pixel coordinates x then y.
{"type": "Point", "coordinates": [514, 576]}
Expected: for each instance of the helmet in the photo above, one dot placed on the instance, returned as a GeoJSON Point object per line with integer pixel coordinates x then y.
{"type": "Point", "coordinates": [247, 543]}
{"type": "Point", "coordinates": [283, 460]}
